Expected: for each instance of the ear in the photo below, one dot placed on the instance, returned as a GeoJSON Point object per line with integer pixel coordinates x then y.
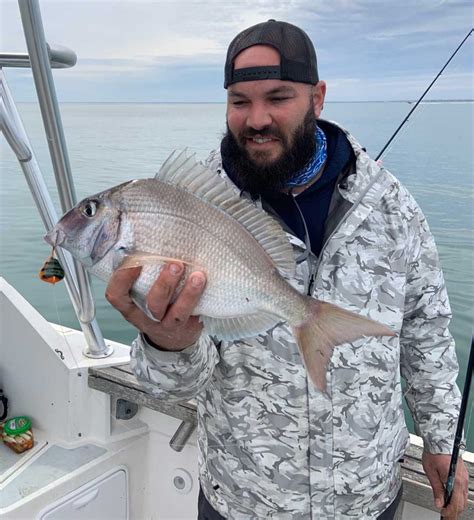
{"type": "Point", "coordinates": [319, 93]}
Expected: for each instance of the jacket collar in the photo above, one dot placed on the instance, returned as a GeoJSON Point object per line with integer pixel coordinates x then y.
{"type": "Point", "coordinates": [355, 185]}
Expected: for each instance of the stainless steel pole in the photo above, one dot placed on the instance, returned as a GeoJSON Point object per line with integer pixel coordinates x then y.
{"type": "Point", "coordinates": [59, 57]}
{"type": "Point", "coordinates": [16, 136]}
{"type": "Point", "coordinates": [37, 50]}
{"type": "Point", "coordinates": [39, 58]}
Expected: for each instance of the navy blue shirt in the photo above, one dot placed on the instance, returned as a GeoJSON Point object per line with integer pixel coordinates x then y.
{"type": "Point", "coordinates": [314, 201]}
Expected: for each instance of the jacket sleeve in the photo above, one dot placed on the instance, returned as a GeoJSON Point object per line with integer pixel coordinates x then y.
{"type": "Point", "coordinates": [428, 359]}
{"type": "Point", "coordinates": [174, 376]}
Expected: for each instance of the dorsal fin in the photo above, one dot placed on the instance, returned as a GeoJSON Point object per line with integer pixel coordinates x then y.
{"type": "Point", "coordinates": [184, 171]}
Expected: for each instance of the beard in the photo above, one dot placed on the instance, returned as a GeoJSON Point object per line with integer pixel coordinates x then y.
{"type": "Point", "coordinates": [257, 178]}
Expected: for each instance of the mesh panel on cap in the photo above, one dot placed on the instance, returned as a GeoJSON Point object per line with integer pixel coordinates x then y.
{"type": "Point", "coordinates": [297, 54]}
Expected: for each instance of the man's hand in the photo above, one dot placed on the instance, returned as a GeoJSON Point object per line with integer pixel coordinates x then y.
{"type": "Point", "coordinates": [437, 468]}
{"type": "Point", "coordinates": [176, 328]}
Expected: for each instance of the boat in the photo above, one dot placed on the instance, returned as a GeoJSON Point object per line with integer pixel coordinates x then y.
{"type": "Point", "coordinates": [103, 448]}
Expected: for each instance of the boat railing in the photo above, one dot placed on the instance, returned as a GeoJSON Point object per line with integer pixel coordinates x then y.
{"type": "Point", "coordinates": [42, 58]}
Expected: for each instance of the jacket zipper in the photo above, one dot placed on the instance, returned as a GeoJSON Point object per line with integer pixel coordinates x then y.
{"type": "Point", "coordinates": [314, 266]}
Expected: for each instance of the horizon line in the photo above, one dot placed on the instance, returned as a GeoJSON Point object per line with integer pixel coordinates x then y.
{"type": "Point", "coordinates": [463, 100]}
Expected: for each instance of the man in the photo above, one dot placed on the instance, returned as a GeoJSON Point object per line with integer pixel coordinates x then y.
{"type": "Point", "coordinates": [271, 445]}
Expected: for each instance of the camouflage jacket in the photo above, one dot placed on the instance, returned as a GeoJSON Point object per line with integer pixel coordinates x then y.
{"type": "Point", "coordinates": [270, 444]}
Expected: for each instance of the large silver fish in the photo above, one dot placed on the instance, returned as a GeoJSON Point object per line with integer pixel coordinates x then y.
{"type": "Point", "coordinates": [190, 214]}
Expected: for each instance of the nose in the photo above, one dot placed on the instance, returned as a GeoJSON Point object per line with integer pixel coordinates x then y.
{"type": "Point", "coordinates": [258, 117]}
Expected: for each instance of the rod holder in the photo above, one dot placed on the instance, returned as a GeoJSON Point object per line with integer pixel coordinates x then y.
{"type": "Point", "coordinates": [182, 435]}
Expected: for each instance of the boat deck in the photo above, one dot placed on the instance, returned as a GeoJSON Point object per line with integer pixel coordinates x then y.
{"type": "Point", "coordinates": [121, 383]}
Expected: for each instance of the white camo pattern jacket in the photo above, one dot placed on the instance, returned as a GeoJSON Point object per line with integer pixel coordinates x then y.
{"type": "Point", "coordinates": [270, 444]}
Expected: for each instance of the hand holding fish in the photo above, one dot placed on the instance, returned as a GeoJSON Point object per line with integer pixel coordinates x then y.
{"type": "Point", "coordinates": [174, 328]}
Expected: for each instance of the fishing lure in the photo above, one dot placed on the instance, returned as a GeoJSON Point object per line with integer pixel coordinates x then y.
{"type": "Point", "coordinates": [52, 271]}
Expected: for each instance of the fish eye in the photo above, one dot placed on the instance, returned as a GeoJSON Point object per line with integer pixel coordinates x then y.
{"type": "Point", "coordinates": [89, 209]}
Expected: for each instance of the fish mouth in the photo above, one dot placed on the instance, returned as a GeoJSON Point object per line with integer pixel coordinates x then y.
{"type": "Point", "coordinates": [55, 237]}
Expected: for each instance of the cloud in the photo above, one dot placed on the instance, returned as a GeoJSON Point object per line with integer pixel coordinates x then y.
{"type": "Point", "coordinates": [139, 45]}
{"type": "Point", "coordinates": [394, 88]}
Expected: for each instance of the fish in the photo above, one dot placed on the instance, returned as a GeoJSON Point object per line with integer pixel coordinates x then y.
{"type": "Point", "coordinates": [190, 214]}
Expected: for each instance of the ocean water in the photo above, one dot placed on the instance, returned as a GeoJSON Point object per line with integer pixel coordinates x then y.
{"type": "Point", "coordinates": [112, 143]}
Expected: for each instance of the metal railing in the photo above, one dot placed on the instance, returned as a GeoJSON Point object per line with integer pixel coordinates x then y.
{"type": "Point", "coordinates": [41, 57]}
{"type": "Point", "coordinates": [59, 58]}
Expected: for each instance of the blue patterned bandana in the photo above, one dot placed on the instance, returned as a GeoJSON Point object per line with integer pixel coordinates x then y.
{"type": "Point", "coordinates": [314, 165]}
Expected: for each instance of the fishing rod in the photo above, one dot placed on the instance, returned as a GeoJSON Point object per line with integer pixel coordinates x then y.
{"type": "Point", "coordinates": [422, 96]}
{"type": "Point", "coordinates": [448, 488]}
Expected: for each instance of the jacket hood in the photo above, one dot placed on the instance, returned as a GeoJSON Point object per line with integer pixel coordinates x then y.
{"type": "Point", "coordinates": [357, 183]}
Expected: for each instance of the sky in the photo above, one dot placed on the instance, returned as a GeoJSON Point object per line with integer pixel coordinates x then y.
{"type": "Point", "coordinates": [174, 50]}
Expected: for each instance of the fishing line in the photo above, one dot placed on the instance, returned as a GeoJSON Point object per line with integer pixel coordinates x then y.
{"type": "Point", "coordinates": [52, 272]}
{"type": "Point", "coordinates": [422, 96]}
{"type": "Point", "coordinates": [62, 332]}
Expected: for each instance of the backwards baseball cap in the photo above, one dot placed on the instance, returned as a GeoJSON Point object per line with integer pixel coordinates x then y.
{"type": "Point", "coordinates": [297, 54]}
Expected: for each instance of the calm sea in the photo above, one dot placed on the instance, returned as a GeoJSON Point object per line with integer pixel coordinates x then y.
{"type": "Point", "coordinates": [111, 143]}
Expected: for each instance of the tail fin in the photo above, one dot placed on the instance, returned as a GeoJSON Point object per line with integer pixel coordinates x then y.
{"type": "Point", "coordinates": [326, 327]}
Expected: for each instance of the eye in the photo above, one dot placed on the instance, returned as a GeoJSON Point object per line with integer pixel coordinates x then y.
{"type": "Point", "coordinates": [279, 99]}
{"type": "Point", "coordinates": [89, 209]}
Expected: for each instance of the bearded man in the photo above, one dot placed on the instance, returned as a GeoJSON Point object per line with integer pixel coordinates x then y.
{"type": "Point", "coordinates": [272, 445]}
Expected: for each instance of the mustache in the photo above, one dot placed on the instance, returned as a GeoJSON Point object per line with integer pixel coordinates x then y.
{"type": "Point", "coordinates": [267, 131]}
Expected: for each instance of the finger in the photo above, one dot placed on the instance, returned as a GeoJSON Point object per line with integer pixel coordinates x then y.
{"type": "Point", "coordinates": [438, 489]}
{"type": "Point", "coordinates": [161, 292]}
{"type": "Point", "coordinates": [460, 492]}
{"type": "Point", "coordinates": [452, 512]}
{"type": "Point", "coordinates": [118, 288]}
{"type": "Point", "coordinates": [456, 505]}
{"type": "Point", "coordinates": [138, 318]}
{"type": "Point", "coordinates": [465, 483]}
{"type": "Point", "coordinates": [118, 294]}
{"type": "Point", "coordinates": [187, 300]}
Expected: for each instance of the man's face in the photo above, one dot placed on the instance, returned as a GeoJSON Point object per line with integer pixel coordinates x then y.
{"type": "Point", "coordinates": [260, 176]}
{"type": "Point", "coordinates": [269, 120]}
{"type": "Point", "coordinates": [264, 115]}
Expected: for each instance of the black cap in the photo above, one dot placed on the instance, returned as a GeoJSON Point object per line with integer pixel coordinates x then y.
{"type": "Point", "coordinates": [297, 54]}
